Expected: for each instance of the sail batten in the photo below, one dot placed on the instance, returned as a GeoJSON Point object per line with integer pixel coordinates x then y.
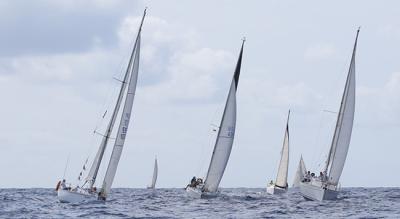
{"type": "Point", "coordinates": [344, 125]}
{"type": "Point", "coordinates": [226, 134]}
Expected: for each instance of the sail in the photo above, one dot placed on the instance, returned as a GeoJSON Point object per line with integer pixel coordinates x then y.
{"type": "Point", "coordinates": [344, 125]}
{"type": "Point", "coordinates": [301, 170]}
{"type": "Point", "coordinates": [281, 178]}
{"type": "Point", "coordinates": [226, 134]}
{"type": "Point", "coordinates": [155, 173]}
{"type": "Point", "coordinates": [123, 126]}
{"type": "Point", "coordinates": [94, 169]}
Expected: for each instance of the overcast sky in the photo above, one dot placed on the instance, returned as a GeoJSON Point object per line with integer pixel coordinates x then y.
{"type": "Point", "coordinates": [58, 60]}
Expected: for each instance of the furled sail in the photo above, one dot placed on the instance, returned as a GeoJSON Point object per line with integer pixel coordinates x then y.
{"type": "Point", "coordinates": [281, 178]}
{"type": "Point", "coordinates": [301, 170]}
{"type": "Point", "coordinates": [155, 173]}
{"type": "Point", "coordinates": [226, 134]}
{"type": "Point", "coordinates": [344, 125]}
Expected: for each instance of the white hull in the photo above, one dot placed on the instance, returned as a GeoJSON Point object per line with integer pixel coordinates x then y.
{"type": "Point", "coordinates": [74, 197]}
{"type": "Point", "coordinates": [197, 193]}
{"type": "Point", "coordinates": [274, 190]}
{"type": "Point", "coordinates": [317, 192]}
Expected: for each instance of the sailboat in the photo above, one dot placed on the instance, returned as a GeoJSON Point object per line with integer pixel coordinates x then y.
{"type": "Point", "coordinates": [88, 191]}
{"type": "Point", "coordinates": [281, 186]}
{"type": "Point", "coordinates": [326, 186]}
{"type": "Point", "coordinates": [223, 145]}
{"type": "Point", "coordinates": [300, 173]}
{"type": "Point", "coordinates": [155, 173]}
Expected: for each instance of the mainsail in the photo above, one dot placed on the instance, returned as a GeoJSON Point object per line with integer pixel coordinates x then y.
{"type": "Point", "coordinates": [155, 173]}
{"type": "Point", "coordinates": [344, 125]}
{"type": "Point", "coordinates": [226, 134]}
{"type": "Point", "coordinates": [124, 124]}
{"type": "Point", "coordinates": [301, 170]}
{"type": "Point", "coordinates": [281, 178]}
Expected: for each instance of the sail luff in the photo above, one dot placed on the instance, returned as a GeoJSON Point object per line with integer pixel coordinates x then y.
{"type": "Point", "coordinates": [281, 178]}
{"type": "Point", "coordinates": [341, 138]}
{"type": "Point", "coordinates": [94, 169]}
{"type": "Point", "coordinates": [226, 133]}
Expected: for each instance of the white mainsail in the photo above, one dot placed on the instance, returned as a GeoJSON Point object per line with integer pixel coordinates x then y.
{"type": "Point", "coordinates": [281, 178]}
{"type": "Point", "coordinates": [301, 170]}
{"type": "Point", "coordinates": [124, 124]}
{"type": "Point", "coordinates": [155, 173]}
{"type": "Point", "coordinates": [94, 169]}
{"type": "Point", "coordinates": [344, 125]}
{"type": "Point", "coordinates": [226, 134]}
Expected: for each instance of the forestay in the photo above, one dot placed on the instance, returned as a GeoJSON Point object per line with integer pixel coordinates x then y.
{"type": "Point", "coordinates": [226, 134]}
{"type": "Point", "coordinates": [344, 125]}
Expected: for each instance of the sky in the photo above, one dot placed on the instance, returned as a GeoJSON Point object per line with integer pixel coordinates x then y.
{"type": "Point", "coordinates": [59, 61]}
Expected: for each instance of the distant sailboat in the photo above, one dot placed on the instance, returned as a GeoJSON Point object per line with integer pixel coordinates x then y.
{"type": "Point", "coordinates": [223, 145]}
{"type": "Point", "coordinates": [281, 185]}
{"type": "Point", "coordinates": [300, 173]}
{"type": "Point", "coordinates": [155, 173]}
{"type": "Point", "coordinates": [88, 191]}
{"type": "Point", "coordinates": [326, 187]}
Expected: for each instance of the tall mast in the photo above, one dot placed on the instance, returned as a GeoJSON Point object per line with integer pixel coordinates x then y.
{"type": "Point", "coordinates": [91, 178]}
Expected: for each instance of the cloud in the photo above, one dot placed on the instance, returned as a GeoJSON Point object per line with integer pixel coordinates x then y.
{"type": "Point", "coordinates": [386, 100]}
{"type": "Point", "coordinates": [319, 52]}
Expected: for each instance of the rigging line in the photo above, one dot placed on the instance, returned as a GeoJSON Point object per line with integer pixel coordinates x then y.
{"type": "Point", "coordinates": [66, 165]}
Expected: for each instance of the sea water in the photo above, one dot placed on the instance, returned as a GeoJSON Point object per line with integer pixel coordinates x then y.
{"type": "Point", "coordinates": [231, 203]}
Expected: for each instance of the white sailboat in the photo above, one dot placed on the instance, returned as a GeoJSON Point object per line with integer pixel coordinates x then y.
{"type": "Point", "coordinates": [88, 191]}
{"type": "Point", "coordinates": [300, 173]}
{"type": "Point", "coordinates": [155, 173]}
{"type": "Point", "coordinates": [280, 186]}
{"type": "Point", "coordinates": [326, 187]}
{"type": "Point", "coordinates": [223, 144]}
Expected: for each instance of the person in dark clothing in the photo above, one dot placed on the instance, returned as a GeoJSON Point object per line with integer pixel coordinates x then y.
{"type": "Point", "coordinates": [193, 182]}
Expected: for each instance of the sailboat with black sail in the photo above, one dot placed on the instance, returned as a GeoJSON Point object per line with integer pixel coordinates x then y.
{"type": "Point", "coordinates": [87, 191]}
{"type": "Point", "coordinates": [223, 145]}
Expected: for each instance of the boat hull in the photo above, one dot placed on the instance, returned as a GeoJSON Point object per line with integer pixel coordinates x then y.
{"type": "Point", "coordinates": [274, 190]}
{"type": "Point", "coordinates": [195, 192]}
{"type": "Point", "coordinates": [317, 193]}
{"type": "Point", "coordinates": [68, 196]}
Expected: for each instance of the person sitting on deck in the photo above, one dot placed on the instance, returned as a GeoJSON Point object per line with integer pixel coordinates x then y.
{"type": "Point", "coordinates": [193, 182]}
{"type": "Point", "coordinates": [271, 182]}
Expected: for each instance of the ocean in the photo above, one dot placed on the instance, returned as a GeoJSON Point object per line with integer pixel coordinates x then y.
{"type": "Point", "coordinates": [231, 203]}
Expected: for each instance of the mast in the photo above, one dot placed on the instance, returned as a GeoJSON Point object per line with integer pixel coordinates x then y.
{"type": "Point", "coordinates": [346, 111]}
{"type": "Point", "coordinates": [281, 178]}
{"type": "Point", "coordinates": [226, 133]}
{"type": "Point", "coordinates": [91, 178]}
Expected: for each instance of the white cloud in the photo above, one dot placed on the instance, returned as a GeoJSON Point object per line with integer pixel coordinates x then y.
{"type": "Point", "coordinates": [319, 51]}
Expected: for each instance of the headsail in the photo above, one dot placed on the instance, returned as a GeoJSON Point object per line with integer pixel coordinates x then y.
{"type": "Point", "coordinates": [155, 173]}
{"type": "Point", "coordinates": [226, 134]}
{"type": "Point", "coordinates": [125, 118]}
{"type": "Point", "coordinates": [281, 178]}
{"type": "Point", "coordinates": [344, 125]}
{"type": "Point", "coordinates": [301, 170]}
